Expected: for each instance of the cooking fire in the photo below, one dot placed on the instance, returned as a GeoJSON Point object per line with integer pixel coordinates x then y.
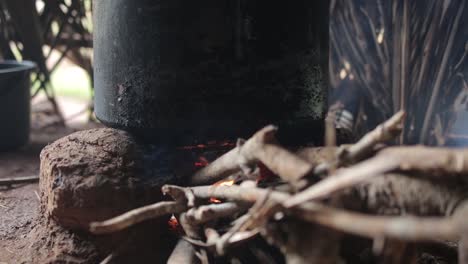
{"type": "Point", "coordinates": [234, 131]}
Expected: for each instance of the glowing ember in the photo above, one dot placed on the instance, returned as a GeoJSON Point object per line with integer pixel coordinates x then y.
{"type": "Point", "coordinates": [210, 144]}
{"type": "Point", "coordinates": [214, 200]}
{"type": "Point", "coordinates": [226, 182]}
{"type": "Point", "coordinates": [202, 162]}
{"type": "Point", "coordinates": [265, 173]}
{"type": "Point", "coordinates": [173, 223]}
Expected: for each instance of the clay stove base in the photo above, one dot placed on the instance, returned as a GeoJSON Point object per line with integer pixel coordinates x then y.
{"type": "Point", "coordinates": [86, 176]}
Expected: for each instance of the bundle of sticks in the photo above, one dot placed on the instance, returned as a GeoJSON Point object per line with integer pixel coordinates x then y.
{"type": "Point", "coordinates": [397, 195]}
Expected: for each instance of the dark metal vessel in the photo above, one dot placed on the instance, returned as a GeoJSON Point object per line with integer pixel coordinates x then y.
{"type": "Point", "coordinates": [187, 71]}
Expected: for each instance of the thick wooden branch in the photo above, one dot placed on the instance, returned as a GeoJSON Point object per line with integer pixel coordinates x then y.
{"type": "Point", "coordinates": [427, 162]}
{"type": "Point", "coordinates": [398, 227]}
{"type": "Point", "coordinates": [260, 147]}
{"type": "Point", "coordinates": [137, 216]}
{"type": "Point", "coordinates": [233, 193]}
{"type": "Point", "coordinates": [431, 162]}
{"type": "Point", "coordinates": [344, 178]}
{"type": "Point", "coordinates": [230, 162]}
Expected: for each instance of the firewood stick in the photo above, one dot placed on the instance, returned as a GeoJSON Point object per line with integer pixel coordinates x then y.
{"type": "Point", "coordinates": [344, 178]}
{"type": "Point", "coordinates": [241, 225]}
{"type": "Point", "coordinates": [434, 163]}
{"type": "Point", "coordinates": [193, 231]}
{"type": "Point", "coordinates": [406, 228]}
{"type": "Point", "coordinates": [422, 228]}
{"type": "Point", "coordinates": [136, 216]}
{"type": "Point", "coordinates": [219, 169]}
{"type": "Point", "coordinates": [228, 163]}
{"type": "Point", "coordinates": [386, 131]}
{"type": "Point", "coordinates": [233, 193]}
{"type": "Point", "coordinates": [400, 227]}
{"type": "Point", "coordinates": [18, 180]}
{"type": "Point", "coordinates": [395, 193]}
{"type": "Point", "coordinates": [223, 241]}
{"type": "Point", "coordinates": [141, 214]}
{"type": "Point", "coordinates": [207, 213]}
{"type": "Point", "coordinates": [384, 226]}
{"type": "Point", "coordinates": [283, 163]}
{"type": "Point", "coordinates": [260, 147]}
{"type": "Point", "coordinates": [190, 229]}
{"type": "Point", "coordinates": [211, 236]}
{"type": "Point", "coordinates": [183, 253]}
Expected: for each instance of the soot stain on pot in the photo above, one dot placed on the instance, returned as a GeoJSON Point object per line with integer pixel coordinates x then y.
{"type": "Point", "coordinates": [187, 76]}
{"type": "Point", "coordinates": [212, 90]}
{"type": "Point", "coordinates": [135, 97]}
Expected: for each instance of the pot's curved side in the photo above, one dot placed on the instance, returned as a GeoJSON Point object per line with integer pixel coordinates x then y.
{"type": "Point", "coordinates": [188, 70]}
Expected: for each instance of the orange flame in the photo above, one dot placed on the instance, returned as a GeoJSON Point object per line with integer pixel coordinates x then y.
{"type": "Point", "coordinates": [225, 182]}
{"type": "Point", "coordinates": [173, 223]}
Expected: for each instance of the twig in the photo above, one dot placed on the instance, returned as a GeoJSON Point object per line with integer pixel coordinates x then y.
{"type": "Point", "coordinates": [137, 216]}
{"type": "Point", "coordinates": [386, 131]}
{"type": "Point", "coordinates": [18, 180]}
{"type": "Point", "coordinates": [260, 147]}
{"type": "Point", "coordinates": [37, 195]}
{"type": "Point", "coordinates": [108, 259]}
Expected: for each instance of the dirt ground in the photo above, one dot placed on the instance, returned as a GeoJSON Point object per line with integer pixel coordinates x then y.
{"type": "Point", "coordinates": [19, 205]}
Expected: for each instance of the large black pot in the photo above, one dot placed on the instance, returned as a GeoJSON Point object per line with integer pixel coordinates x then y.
{"type": "Point", "coordinates": [14, 103]}
{"type": "Point", "coordinates": [189, 70]}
